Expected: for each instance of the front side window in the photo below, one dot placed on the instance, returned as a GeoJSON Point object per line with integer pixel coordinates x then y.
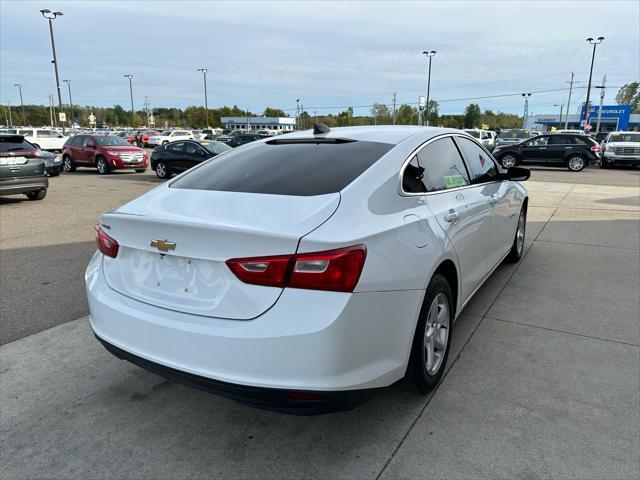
{"type": "Point", "coordinates": [283, 168]}
{"type": "Point", "coordinates": [443, 166]}
{"type": "Point", "coordinates": [483, 168]}
{"type": "Point", "coordinates": [177, 147]}
{"type": "Point", "coordinates": [537, 142]}
{"type": "Point", "coordinates": [192, 149]}
{"type": "Point", "coordinates": [26, 133]}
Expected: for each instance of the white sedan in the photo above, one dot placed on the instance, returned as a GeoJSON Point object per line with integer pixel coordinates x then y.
{"type": "Point", "coordinates": [170, 136]}
{"type": "Point", "coordinates": [299, 272]}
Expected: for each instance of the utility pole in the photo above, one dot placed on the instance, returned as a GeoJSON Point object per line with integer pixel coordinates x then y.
{"type": "Point", "coordinates": [394, 108]}
{"type": "Point", "coordinates": [304, 121]}
{"type": "Point", "coordinates": [297, 114]}
{"type": "Point", "coordinates": [9, 108]}
{"type": "Point", "coordinates": [24, 117]}
{"type": "Point", "coordinates": [51, 109]}
{"type": "Point", "coordinates": [595, 43]}
{"type": "Point", "coordinates": [51, 16]}
{"type": "Point", "coordinates": [602, 92]}
{"type": "Point", "coordinates": [206, 107]}
{"type": "Point", "coordinates": [566, 120]}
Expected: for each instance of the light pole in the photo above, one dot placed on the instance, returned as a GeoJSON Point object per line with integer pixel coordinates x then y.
{"type": "Point", "coordinates": [129, 76]}
{"type": "Point", "coordinates": [68, 82]}
{"type": "Point", "coordinates": [595, 43]}
{"type": "Point", "coordinates": [561, 108]}
{"type": "Point", "coordinates": [206, 107]}
{"type": "Point", "coordinates": [46, 13]}
{"type": "Point", "coordinates": [429, 55]}
{"type": "Point", "coordinates": [526, 109]}
{"type": "Point", "coordinates": [24, 117]}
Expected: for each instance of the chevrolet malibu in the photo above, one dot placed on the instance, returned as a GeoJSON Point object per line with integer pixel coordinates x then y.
{"type": "Point", "coordinates": [301, 272]}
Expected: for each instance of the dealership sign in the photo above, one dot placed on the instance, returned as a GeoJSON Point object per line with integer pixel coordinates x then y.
{"type": "Point", "coordinates": [619, 113]}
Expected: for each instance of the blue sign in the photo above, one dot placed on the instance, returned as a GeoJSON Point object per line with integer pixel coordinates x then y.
{"type": "Point", "coordinates": [620, 113]}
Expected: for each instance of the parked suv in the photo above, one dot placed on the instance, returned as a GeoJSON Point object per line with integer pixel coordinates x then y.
{"type": "Point", "coordinates": [555, 150]}
{"type": "Point", "coordinates": [169, 136]}
{"type": "Point", "coordinates": [104, 152]}
{"type": "Point", "coordinates": [44, 138]}
{"type": "Point", "coordinates": [239, 140]}
{"type": "Point", "coordinates": [622, 148]}
{"type": "Point", "coordinates": [513, 136]}
{"type": "Point", "coordinates": [486, 137]}
{"type": "Point", "coordinates": [22, 168]}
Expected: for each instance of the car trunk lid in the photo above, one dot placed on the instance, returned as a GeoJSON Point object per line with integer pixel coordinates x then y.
{"type": "Point", "coordinates": [174, 244]}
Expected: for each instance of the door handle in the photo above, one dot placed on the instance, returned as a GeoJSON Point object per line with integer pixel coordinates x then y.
{"type": "Point", "coordinates": [543, 148]}
{"type": "Point", "coordinates": [452, 216]}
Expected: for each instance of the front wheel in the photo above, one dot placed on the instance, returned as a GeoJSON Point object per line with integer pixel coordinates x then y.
{"type": "Point", "coordinates": [102, 166]}
{"type": "Point", "coordinates": [68, 165]}
{"type": "Point", "coordinates": [162, 171]}
{"type": "Point", "coordinates": [515, 254]}
{"type": "Point", "coordinates": [432, 337]}
{"type": "Point", "coordinates": [508, 160]}
{"type": "Point", "coordinates": [37, 195]}
{"type": "Point", "coordinates": [575, 163]}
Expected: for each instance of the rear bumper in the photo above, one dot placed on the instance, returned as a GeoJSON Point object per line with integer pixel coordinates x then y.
{"type": "Point", "coordinates": [16, 185]}
{"type": "Point", "coordinates": [308, 341]}
{"type": "Point", "coordinates": [285, 401]}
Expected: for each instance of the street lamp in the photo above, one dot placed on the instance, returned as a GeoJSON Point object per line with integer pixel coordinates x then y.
{"type": "Point", "coordinates": [24, 117]}
{"type": "Point", "coordinates": [68, 82]}
{"type": "Point", "coordinates": [525, 116]}
{"type": "Point", "coordinates": [129, 76]}
{"type": "Point", "coordinates": [595, 43]}
{"type": "Point", "coordinates": [206, 107]}
{"type": "Point", "coordinates": [49, 15]}
{"type": "Point", "coordinates": [429, 55]}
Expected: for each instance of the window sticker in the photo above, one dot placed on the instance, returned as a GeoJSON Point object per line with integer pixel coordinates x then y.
{"type": "Point", "coordinates": [454, 181]}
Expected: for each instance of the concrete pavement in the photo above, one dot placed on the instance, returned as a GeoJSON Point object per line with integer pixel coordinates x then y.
{"type": "Point", "coordinates": [543, 381]}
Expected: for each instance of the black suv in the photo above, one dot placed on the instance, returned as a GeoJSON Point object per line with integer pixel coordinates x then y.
{"type": "Point", "coordinates": [243, 139]}
{"type": "Point", "coordinates": [573, 151]}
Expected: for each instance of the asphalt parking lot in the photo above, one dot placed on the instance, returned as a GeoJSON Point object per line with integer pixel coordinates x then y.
{"type": "Point", "coordinates": [543, 380]}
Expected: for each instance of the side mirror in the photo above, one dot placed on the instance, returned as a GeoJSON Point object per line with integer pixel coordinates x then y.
{"type": "Point", "coordinates": [518, 174]}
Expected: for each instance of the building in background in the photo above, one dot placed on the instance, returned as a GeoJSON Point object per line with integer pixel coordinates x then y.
{"type": "Point", "coordinates": [283, 124]}
{"type": "Point", "coordinates": [614, 117]}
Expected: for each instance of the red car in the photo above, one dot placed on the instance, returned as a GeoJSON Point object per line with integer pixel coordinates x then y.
{"type": "Point", "coordinates": [106, 153]}
{"type": "Point", "coordinates": [145, 136]}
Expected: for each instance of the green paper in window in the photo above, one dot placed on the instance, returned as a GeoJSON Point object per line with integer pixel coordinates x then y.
{"type": "Point", "coordinates": [454, 181]}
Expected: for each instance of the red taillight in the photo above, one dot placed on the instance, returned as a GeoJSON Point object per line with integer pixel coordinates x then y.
{"type": "Point", "coordinates": [595, 148]}
{"type": "Point", "coordinates": [334, 270]}
{"type": "Point", "coordinates": [107, 245]}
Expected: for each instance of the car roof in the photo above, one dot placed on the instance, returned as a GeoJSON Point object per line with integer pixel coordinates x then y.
{"type": "Point", "coordinates": [392, 134]}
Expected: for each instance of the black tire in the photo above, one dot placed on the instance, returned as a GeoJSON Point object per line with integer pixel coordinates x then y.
{"type": "Point", "coordinates": [102, 166]}
{"type": "Point", "coordinates": [517, 248]}
{"type": "Point", "coordinates": [576, 163]}
{"type": "Point", "coordinates": [37, 195]}
{"type": "Point", "coordinates": [418, 378]}
{"type": "Point", "coordinates": [162, 171]}
{"type": "Point", "coordinates": [68, 164]}
{"type": "Point", "coordinates": [508, 160]}
{"type": "Point", "coordinates": [54, 174]}
{"type": "Point", "coordinates": [604, 164]}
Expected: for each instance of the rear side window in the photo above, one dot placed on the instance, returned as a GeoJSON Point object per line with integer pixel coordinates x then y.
{"type": "Point", "coordinates": [481, 165]}
{"type": "Point", "coordinates": [15, 144]}
{"type": "Point", "coordinates": [298, 169]}
{"type": "Point", "coordinates": [443, 166]}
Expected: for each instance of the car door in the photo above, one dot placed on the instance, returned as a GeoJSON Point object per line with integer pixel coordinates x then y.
{"type": "Point", "coordinates": [87, 151]}
{"type": "Point", "coordinates": [560, 146]}
{"type": "Point", "coordinates": [534, 150]}
{"type": "Point", "coordinates": [193, 155]}
{"type": "Point", "coordinates": [461, 209]}
{"type": "Point", "coordinates": [500, 195]}
{"type": "Point", "coordinates": [174, 156]}
{"type": "Point", "coordinates": [43, 138]}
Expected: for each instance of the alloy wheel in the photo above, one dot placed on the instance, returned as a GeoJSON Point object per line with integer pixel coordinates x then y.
{"type": "Point", "coordinates": [436, 333]}
{"type": "Point", "coordinates": [521, 232]}
{"type": "Point", "coordinates": [508, 161]}
{"type": "Point", "coordinates": [161, 170]}
{"type": "Point", "coordinates": [576, 164]}
{"type": "Point", "coordinates": [67, 164]}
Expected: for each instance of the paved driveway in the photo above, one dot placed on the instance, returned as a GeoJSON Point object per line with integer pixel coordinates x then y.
{"type": "Point", "coordinates": [543, 381]}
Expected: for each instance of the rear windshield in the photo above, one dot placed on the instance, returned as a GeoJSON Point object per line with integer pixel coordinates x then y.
{"type": "Point", "coordinates": [302, 169]}
{"type": "Point", "coordinates": [11, 143]}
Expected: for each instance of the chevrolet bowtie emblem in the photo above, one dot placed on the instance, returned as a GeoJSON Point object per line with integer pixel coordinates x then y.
{"type": "Point", "coordinates": [163, 245]}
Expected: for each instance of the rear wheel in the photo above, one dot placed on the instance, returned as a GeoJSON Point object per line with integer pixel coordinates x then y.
{"type": "Point", "coordinates": [68, 164]}
{"type": "Point", "coordinates": [515, 254]}
{"type": "Point", "coordinates": [509, 160]}
{"type": "Point", "coordinates": [37, 195]}
{"type": "Point", "coordinates": [161, 170]}
{"type": "Point", "coordinates": [102, 166]}
{"type": "Point", "coordinates": [432, 338]}
{"type": "Point", "coordinates": [575, 163]}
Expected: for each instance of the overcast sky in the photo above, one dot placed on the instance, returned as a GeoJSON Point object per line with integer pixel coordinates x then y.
{"type": "Point", "coordinates": [328, 54]}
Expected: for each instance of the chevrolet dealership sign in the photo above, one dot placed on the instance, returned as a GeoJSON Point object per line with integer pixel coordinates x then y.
{"type": "Point", "coordinates": [620, 113]}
